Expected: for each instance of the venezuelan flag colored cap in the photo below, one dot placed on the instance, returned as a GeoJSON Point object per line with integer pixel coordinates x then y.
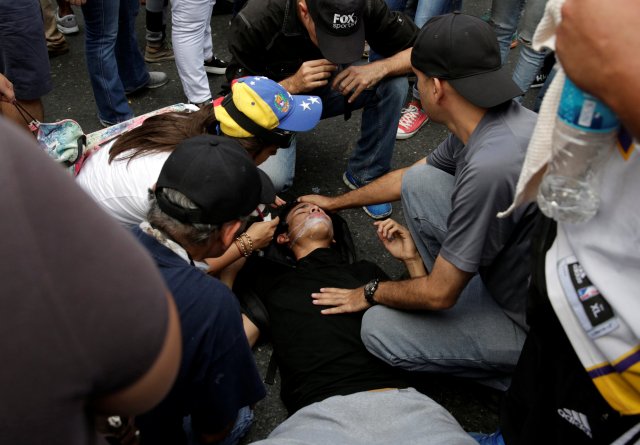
{"type": "Point", "coordinates": [267, 104]}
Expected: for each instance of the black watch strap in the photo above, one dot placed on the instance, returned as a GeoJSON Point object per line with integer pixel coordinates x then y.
{"type": "Point", "coordinates": [369, 291]}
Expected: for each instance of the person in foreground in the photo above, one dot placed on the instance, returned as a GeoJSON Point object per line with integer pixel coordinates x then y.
{"type": "Point", "coordinates": [472, 300]}
{"type": "Point", "coordinates": [577, 378]}
{"type": "Point", "coordinates": [310, 46]}
{"type": "Point", "coordinates": [206, 189]}
{"type": "Point", "coordinates": [88, 325]}
{"type": "Point", "coordinates": [334, 389]}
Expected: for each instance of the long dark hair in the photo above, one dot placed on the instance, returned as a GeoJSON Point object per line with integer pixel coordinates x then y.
{"type": "Point", "coordinates": [162, 133]}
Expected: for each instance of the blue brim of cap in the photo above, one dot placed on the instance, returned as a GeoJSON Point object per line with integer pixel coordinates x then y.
{"type": "Point", "coordinates": [305, 114]}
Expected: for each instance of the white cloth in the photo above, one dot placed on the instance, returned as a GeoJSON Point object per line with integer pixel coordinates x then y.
{"type": "Point", "coordinates": [121, 188]}
{"type": "Point", "coordinates": [591, 270]}
{"type": "Point", "coordinates": [601, 316]}
{"type": "Point", "coordinates": [192, 45]}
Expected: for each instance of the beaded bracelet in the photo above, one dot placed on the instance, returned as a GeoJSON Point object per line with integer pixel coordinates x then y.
{"type": "Point", "coordinates": [241, 247]}
{"type": "Point", "coordinates": [246, 236]}
{"type": "Point", "coordinates": [245, 249]}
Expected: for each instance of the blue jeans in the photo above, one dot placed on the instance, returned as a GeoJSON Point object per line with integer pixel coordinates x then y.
{"type": "Point", "coordinates": [114, 61]}
{"type": "Point", "coordinates": [425, 9]}
{"type": "Point", "coordinates": [372, 154]}
{"type": "Point", "coordinates": [505, 16]}
{"type": "Point", "coordinates": [281, 167]}
{"type": "Point", "coordinates": [475, 338]}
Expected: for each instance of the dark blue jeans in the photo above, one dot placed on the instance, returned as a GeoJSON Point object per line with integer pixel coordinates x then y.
{"type": "Point", "coordinates": [114, 61]}
{"type": "Point", "coordinates": [381, 107]}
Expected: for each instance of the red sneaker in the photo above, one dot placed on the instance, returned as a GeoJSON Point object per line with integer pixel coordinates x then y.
{"type": "Point", "coordinates": [412, 118]}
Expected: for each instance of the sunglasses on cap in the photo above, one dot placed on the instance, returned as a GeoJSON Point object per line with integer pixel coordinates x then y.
{"type": "Point", "coordinates": [276, 136]}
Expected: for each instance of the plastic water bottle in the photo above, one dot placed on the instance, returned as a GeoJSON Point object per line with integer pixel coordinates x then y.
{"type": "Point", "coordinates": [584, 135]}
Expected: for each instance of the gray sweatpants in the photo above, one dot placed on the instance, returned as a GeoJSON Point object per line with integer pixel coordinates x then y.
{"type": "Point", "coordinates": [372, 417]}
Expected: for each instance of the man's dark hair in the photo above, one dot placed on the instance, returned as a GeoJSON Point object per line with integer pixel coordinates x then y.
{"type": "Point", "coordinates": [283, 212]}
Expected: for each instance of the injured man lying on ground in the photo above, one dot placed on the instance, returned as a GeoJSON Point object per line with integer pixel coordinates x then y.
{"type": "Point", "coordinates": [333, 388]}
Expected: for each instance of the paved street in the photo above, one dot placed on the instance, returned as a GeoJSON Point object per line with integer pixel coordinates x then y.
{"type": "Point", "coordinates": [322, 155]}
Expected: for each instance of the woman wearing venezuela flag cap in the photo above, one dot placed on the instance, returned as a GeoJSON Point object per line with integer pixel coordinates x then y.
{"type": "Point", "coordinates": [258, 113]}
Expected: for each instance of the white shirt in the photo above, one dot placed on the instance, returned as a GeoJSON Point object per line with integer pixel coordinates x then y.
{"type": "Point", "coordinates": [122, 187]}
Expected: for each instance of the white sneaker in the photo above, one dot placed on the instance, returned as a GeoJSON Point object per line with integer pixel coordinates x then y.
{"type": "Point", "coordinates": [67, 24]}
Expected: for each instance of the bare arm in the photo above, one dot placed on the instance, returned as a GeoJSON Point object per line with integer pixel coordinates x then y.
{"type": "Point", "coordinates": [398, 242]}
{"type": "Point", "coordinates": [261, 234]}
{"type": "Point", "coordinates": [6, 90]}
{"type": "Point", "coordinates": [384, 189]}
{"type": "Point", "coordinates": [436, 291]}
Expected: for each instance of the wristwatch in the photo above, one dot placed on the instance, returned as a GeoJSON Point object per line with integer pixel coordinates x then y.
{"type": "Point", "coordinates": [370, 289]}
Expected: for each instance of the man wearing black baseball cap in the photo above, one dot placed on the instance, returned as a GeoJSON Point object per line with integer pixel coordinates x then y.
{"type": "Point", "coordinates": [309, 46]}
{"type": "Point", "coordinates": [206, 189]}
{"type": "Point", "coordinates": [477, 265]}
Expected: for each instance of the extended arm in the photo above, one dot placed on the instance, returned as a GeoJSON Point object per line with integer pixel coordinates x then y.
{"type": "Point", "coordinates": [384, 189]}
{"type": "Point", "coordinates": [260, 233]}
{"type": "Point", "coordinates": [436, 291]}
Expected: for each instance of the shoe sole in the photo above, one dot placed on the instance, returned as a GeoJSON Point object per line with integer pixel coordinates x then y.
{"type": "Point", "coordinates": [65, 30]}
{"type": "Point", "coordinates": [157, 85]}
{"type": "Point", "coordinates": [150, 87]}
{"type": "Point", "coordinates": [212, 70]}
{"type": "Point", "coordinates": [353, 187]}
{"type": "Point", "coordinates": [403, 136]}
{"type": "Point", "coordinates": [347, 182]}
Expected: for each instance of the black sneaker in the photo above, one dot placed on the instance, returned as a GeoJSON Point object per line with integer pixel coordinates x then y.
{"type": "Point", "coordinates": [215, 66]}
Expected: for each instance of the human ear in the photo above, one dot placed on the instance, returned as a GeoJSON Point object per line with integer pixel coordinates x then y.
{"type": "Point", "coordinates": [228, 232]}
{"type": "Point", "coordinates": [437, 89]}
{"type": "Point", "coordinates": [283, 238]}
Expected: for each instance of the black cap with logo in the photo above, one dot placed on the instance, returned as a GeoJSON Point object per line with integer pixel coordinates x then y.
{"type": "Point", "coordinates": [464, 51]}
{"type": "Point", "coordinates": [218, 175]}
{"type": "Point", "coordinates": [339, 28]}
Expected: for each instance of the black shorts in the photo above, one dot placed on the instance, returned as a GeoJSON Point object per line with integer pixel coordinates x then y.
{"type": "Point", "coordinates": [23, 49]}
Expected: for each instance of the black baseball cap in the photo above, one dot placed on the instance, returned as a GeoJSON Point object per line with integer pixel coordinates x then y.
{"type": "Point", "coordinates": [218, 175]}
{"type": "Point", "coordinates": [463, 50]}
{"type": "Point", "coordinates": [339, 28]}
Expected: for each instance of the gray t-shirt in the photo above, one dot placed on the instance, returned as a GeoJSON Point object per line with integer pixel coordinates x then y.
{"type": "Point", "coordinates": [486, 171]}
{"type": "Point", "coordinates": [83, 310]}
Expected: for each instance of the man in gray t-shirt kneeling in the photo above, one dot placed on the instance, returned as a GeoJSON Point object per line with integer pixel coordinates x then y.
{"type": "Point", "coordinates": [478, 265]}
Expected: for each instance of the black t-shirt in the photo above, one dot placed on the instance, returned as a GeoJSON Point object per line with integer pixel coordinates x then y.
{"type": "Point", "coordinates": [268, 39]}
{"type": "Point", "coordinates": [320, 356]}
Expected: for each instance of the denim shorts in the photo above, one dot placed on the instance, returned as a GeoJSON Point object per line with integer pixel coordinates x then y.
{"type": "Point", "coordinates": [24, 59]}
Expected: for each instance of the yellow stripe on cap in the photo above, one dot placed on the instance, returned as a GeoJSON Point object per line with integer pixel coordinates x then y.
{"type": "Point", "coordinates": [252, 105]}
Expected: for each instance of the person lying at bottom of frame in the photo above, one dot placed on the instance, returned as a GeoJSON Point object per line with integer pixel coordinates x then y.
{"type": "Point", "coordinates": [333, 388]}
